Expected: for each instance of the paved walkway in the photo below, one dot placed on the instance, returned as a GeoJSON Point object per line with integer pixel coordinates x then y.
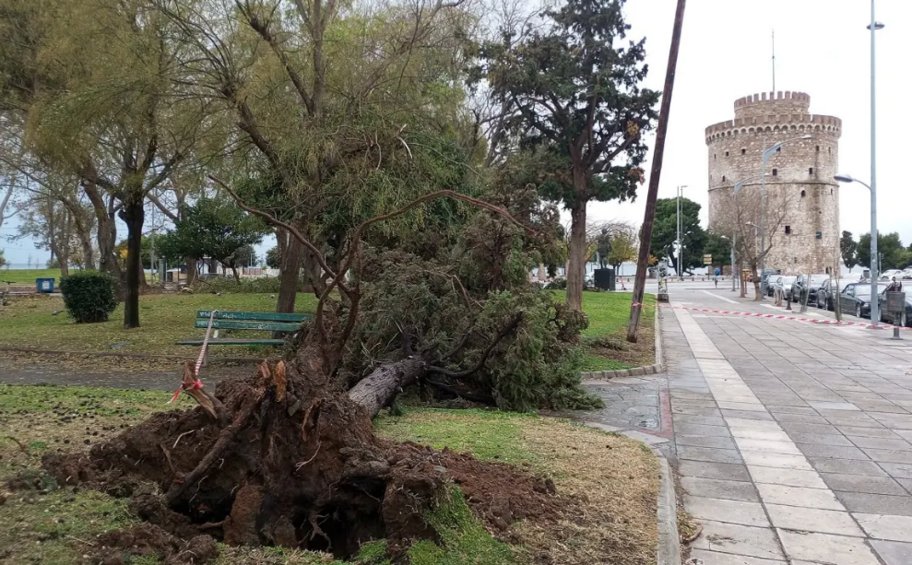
{"type": "Point", "coordinates": [791, 439]}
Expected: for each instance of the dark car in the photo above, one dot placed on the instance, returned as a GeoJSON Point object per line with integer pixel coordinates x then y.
{"type": "Point", "coordinates": [855, 298]}
{"type": "Point", "coordinates": [826, 294]}
{"type": "Point", "coordinates": [811, 284]}
{"type": "Point", "coordinates": [766, 280]}
{"type": "Point", "coordinates": [890, 317]}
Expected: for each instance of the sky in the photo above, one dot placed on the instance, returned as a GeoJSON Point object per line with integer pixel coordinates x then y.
{"type": "Point", "coordinates": [822, 48]}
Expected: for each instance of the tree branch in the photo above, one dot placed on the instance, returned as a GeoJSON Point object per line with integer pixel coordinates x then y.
{"type": "Point", "coordinates": [504, 332]}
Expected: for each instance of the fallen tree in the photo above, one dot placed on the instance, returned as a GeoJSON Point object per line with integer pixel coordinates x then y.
{"type": "Point", "coordinates": [288, 455]}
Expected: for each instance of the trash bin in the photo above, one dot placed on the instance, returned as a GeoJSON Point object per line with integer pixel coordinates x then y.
{"type": "Point", "coordinates": [44, 285]}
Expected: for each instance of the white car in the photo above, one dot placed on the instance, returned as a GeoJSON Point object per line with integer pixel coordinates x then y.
{"type": "Point", "coordinates": [889, 274]}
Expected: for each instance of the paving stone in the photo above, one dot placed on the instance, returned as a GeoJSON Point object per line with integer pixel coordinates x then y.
{"type": "Point", "coordinates": [717, 442]}
{"type": "Point", "coordinates": [813, 519]}
{"type": "Point", "coordinates": [832, 451]}
{"type": "Point", "coordinates": [890, 455]}
{"type": "Point", "coordinates": [822, 439]}
{"type": "Point", "coordinates": [787, 477]}
{"type": "Point", "coordinates": [800, 409]}
{"type": "Point", "coordinates": [895, 421]}
{"type": "Point", "coordinates": [702, 420]}
{"type": "Point", "coordinates": [762, 434]}
{"type": "Point", "coordinates": [823, 405]}
{"type": "Point", "coordinates": [708, 454]}
{"type": "Point", "coordinates": [708, 470]}
{"type": "Point", "coordinates": [700, 430]}
{"type": "Point", "coordinates": [876, 503]}
{"type": "Point", "coordinates": [846, 466]}
{"type": "Point", "coordinates": [878, 431]}
{"type": "Point", "coordinates": [893, 552]}
{"type": "Point", "coordinates": [747, 414]}
{"type": "Point", "coordinates": [695, 410]}
{"type": "Point", "coordinates": [888, 527]}
{"type": "Point", "coordinates": [781, 460]}
{"type": "Point", "coordinates": [826, 548]}
{"type": "Point", "coordinates": [880, 443]}
{"type": "Point", "coordinates": [731, 511]}
{"type": "Point", "coordinates": [801, 418]}
{"type": "Point", "coordinates": [897, 470]}
{"type": "Point", "coordinates": [803, 427]}
{"type": "Point", "coordinates": [862, 483]}
{"type": "Point", "coordinates": [799, 496]}
{"type": "Point", "coordinates": [741, 540]}
{"type": "Point", "coordinates": [716, 558]}
{"type": "Point", "coordinates": [768, 445]}
{"type": "Point", "coordinates": [719, 488]}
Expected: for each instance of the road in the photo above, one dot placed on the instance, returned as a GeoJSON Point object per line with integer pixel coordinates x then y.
{"type": "Point", "coordinates": [791, 438]}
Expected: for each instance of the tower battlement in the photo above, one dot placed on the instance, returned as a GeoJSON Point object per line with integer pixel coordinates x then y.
{"type": "Point", "coordinates": [787, 102]}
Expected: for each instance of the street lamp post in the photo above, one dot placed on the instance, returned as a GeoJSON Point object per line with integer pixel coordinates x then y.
{"type": "Point", "coordinates": [875, 306]}
{"type": "Point", "coordinates": [680, 246]}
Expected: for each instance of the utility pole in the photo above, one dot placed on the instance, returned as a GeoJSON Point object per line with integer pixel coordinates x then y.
{"type": "Point", "coordinates": [639, 285]}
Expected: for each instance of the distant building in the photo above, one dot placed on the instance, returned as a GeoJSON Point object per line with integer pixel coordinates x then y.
{"type": "Point", "coordinates": [800, 173]}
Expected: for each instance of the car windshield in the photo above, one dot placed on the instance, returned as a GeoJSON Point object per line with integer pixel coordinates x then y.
{"type": "Point", "coordinates": [818, 279]}
{"type": "Point", "coordinates": [788, 280]}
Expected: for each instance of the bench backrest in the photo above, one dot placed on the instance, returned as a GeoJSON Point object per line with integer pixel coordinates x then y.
{"type": "Point", "coordinates": [265, 321]}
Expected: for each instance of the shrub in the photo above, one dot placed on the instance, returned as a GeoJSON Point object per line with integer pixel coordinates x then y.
{"type": "Point", "coordinates": [88, 296]}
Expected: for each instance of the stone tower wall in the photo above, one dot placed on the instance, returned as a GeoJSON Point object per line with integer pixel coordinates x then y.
{"type": "Point", "coordinates": [800, 174]}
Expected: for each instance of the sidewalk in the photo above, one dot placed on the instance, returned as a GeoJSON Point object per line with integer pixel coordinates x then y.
{"type": "Point", "coordinates": [791, 440]}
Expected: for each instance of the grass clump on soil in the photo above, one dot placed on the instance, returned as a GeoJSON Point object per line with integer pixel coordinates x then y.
{"type": "Point", "coordinates": [604, 503]}
{"type": "Point", "coordinates": [605, 340]}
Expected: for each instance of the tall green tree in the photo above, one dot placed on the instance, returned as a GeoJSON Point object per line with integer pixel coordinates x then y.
{"type": "Point", "coordinates": [893, 255]}
{"type": "Point", "coordinates": [214, 228]}
{"type": "Point", "coordinates": [574, 86]}
{"type": "Point", "coordinates": [665, 231]}
{"type": "Point", "coordinates": [719, 247]}
{"type": "Point", "coordinates": [848, 249]}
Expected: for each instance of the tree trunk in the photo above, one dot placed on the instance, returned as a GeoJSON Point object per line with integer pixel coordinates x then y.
{"type": "Point", "coordinates": [191, 269]}
{"type": "Point", "coordinates": [313, 273]}
{"type": "Point", "coordinates": [290, 267]}
{"type": "Point", "coordinates": [577, 260]}
{"type": "Point", "coordinates": [133, 215]}
{"type": "Point", "coordinates": [237, 276]}
{"type": "Point", "coordinates": [378, 389]}
{"type": "Point", "coordinates": [741, 280]}
{"type": "Point", "coordinates": [106, 231]}
{"type": "Point", "coordinates": [756, 279]}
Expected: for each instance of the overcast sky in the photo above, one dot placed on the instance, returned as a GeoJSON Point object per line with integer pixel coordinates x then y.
{"type": "Point", "coordinates": [822, 48]}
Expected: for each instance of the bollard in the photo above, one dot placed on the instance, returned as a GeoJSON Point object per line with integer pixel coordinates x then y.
{"type": "Point", "coordinates": [896, 332]}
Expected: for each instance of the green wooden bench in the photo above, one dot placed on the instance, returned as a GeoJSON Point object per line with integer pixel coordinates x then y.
{"type": "Point", "coordinates": [257, 321]}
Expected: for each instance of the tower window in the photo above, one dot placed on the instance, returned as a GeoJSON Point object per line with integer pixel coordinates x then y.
{"type": "Point", "coordinates": [723, 178]}
{"type": "Point", "coordinates": [810, 171]}
{"type": "Point", "coordinates": [726, 153]}
{"type": "Point", "coordinates": [775, 172]}
{"type": "Point", "coordinates": [831, 192]}
{"type": "Point", "coordinates": [714, 156]}
{"type": "Point", "coordinates": [788, 230]}
{"type": "Point", "coordinates": [803, 193]}
{"type": "Point", "coordinates": [743, 151]}
{"type": "Point", "coordinates": [779, 149]}
{"type": "Point", "coordinates": [817, 149]}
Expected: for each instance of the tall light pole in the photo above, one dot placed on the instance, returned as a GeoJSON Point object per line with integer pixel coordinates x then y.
{"type": "Point", "coordinates": [875, 306]}
{"type": "Point", "coordinates": [680, 249]}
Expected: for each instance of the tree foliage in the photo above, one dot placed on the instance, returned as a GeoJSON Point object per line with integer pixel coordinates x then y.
{"type": "Point", "coordinates": [717, 246]}
{"type": "Point", "coordinates": [665, 231]}
{"type": "Point", "coordinates": [574, 91]}
{"type": "Point", "coordinates": [848, 249]}
{"type": "Point", "coordinates": [893, 255]}
{"type": "Point", "coordinates": [214, 228]}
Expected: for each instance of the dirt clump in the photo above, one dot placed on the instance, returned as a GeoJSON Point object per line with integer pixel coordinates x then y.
{"type": "Point", "coordinates": [284, 458]}
{"type": "Point", "coordinates": [118, 547]}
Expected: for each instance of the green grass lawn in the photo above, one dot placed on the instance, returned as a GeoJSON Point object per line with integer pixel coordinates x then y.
{"type": "Point", "coordinates": [41, 321]}
{"type": "Point", "coordinates": [610, 482]}
{"type": "Point", "coordinates": [28, 276]}
{"type": "Point", "coordinates": [606, 336]}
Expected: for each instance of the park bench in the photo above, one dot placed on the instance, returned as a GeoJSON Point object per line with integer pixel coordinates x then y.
{"type": "Point", "coordinates": [256, 321]}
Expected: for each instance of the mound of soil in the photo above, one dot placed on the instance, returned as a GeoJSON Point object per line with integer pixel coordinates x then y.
{"type": "Point", "coordinates": [283, 458]}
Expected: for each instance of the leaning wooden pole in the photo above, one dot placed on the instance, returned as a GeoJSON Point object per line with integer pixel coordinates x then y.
{"type": "Point", "coordinates": [648, 218]}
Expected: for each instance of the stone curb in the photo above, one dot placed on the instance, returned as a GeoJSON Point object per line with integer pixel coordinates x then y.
{"type": "Point", "coordinates": [655, 368]}
{"type": "Point", "coordinates": [669, 549]}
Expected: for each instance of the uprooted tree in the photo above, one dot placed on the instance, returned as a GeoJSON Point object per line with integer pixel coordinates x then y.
{"type": "Point", "coordinates": [288, 455]}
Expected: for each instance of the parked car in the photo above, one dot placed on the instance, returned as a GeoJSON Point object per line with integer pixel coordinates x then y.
{"type": "Point", "coordinates": [889, 274]}
{"type": "Point", "coordinates": [889, 317]}
{"type": "Point", "coordinates": [826, 294]}
{"type": "Point", "coordinates": [765, 280]}
{"type": "Point", "coordinates": [784, 284]}
{"type": "Point", "coordinates": [812, 283]}
{"type": "Point", "coordinates": [855, 298]}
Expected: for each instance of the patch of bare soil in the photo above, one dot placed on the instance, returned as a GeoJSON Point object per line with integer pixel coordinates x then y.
{"type": "Point", "coordinates": [282, 459]}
